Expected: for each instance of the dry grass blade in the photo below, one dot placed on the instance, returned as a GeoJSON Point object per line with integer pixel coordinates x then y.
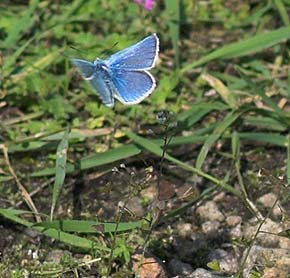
{"type": "Point", "coordinates": [22, 189]}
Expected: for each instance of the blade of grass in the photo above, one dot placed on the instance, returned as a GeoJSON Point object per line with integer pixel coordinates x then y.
{"type": "Point", "coordinates": [24, 23]}
{"type": "Point", "coordinates": [64, 237]}
{"type": "Point", "coordinates": [236, 152]}
{"type": "Point", "coordinates": [264, 137]}
{"type": "Point", "coordinates": [224, 92]}
{"type": "Point", "coordinates": [244, 47]}
{"type": "Point", "coordinates": [89, 227]}
{"type": "Point", "coordinates": [282, 11]}
{"type": "Point", "coordinates": [188, 118]}
{"type": "Point", "coordinates": [265, 123]}
{"type": "Point", "coordinates": [60, 170]}
{"type": "Point", "coordinates": [172, 10]}
{"type": "Point", "coordinates": [288, 160]}
{"type": "Point", "coordinates": [217, 133]}
{"type": "Point", "coordinates": [41, 64]}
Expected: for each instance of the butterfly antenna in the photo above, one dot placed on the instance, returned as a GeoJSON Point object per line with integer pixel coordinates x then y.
{"type": "Point", "coordinates": [109, 51]}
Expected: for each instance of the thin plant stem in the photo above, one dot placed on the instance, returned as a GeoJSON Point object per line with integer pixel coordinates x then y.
{"type": "Point", "coordinates": [114, 241]}
{"type": "Point", "coordinates": [21, 188]}
{"type": "Point", "coordinates": [239, 275]}
{"type": "Point", "coordinates": [158, 209]}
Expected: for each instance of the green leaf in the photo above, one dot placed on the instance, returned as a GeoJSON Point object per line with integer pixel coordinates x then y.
{"type": "Point", "coordinates": [282, 11]}
{"type": "Point", "coordinates": [64, 237]}
{"type": "Point", "coordinates": [89, 227]}
{"type": "Point", "coordinates": [60, 170]}
{"type": "Point", "coordinates": [245, 47]}
{"type": "Point", "coordinates": [172, 10]}
{"type": "Point", "coordinates": [41, 64]}
{"type": "Point", "coordinates": [288, 160]}
{"type": "Point", "coordinates": [270, 138]}
{"type": "Point", "coordinates": [23, 24]}
{"type": "Point", "coordinates": [217, 133]}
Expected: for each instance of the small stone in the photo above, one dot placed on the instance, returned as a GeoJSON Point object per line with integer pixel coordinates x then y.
{"type": "Point", "coordinates": [56, 255]}
{"type": "Point", "coordinates": [177, 267]}
{"type": "Point", "coordinates": [266, 236]}
{"type": "Point", "coordinates": [148, 266]}
{"type": "Point", "coordinates": [233, 220]}
{"type": "Point", "coordinates": [209, 211]}
{"type": "Point", "coordinates": [220, 197]}
{"type": "Point", "coordinates": [284, 242]}
{"type": "Point", "coordinates": [186, 248]}
{"type": "Point", "coordinates": [184, 229]}
{"type": "Point", "coordinates": [274, 272]}
{"type": "Point", "coordinates": [258, 255]}
{"type": "Point", "coordinates": [268, 200]}
{"type": "Point", "coordinates": [202, 273]}
{"type": "Point", "coordinates": [210, 228]}
{"type": "Point", "coordinates": [236, 232]}
{"type": "Point", "coordinates": [135, 206]}
{"type": "Point", "coordinates": [228, 262]}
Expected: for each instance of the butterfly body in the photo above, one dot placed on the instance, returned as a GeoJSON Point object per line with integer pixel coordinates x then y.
{"type": "Point", "coordinates": [124, 75]}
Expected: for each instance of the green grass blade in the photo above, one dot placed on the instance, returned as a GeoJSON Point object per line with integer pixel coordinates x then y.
{"type": "Point", "coordinates": [41, 64]}
{"type": "Point", "coordinates": [88, 227]}
{"type": "Point", "coordinates": [10, 61]}
{"type": "Point", "coordinates": [282, 11]}
{"type": "Point", "coordinates": [60, 170]}
{"type": "Point", "coordinates": [188, 118]}
{"type": "Point", "coordinates": [288, 160]}
{"type": "Point", "coordinates": [23, 24]}
{"type": "Point", "coordinates": [265, 123]}
{"type": "Point", "coordinates": [245, 47]}
{"type": "Point", "coordinates": [172, 10]}
{"type": "Point", "coordinates": [64, 237]}
{"type": "Point", "coordinates": [96, 160]}
{"type": "Point", "coordinates": [109, 156]}
{"type": "Point", "coordinates": [217, 133]}
{"type": "Point", "coordinates": [269, 138]}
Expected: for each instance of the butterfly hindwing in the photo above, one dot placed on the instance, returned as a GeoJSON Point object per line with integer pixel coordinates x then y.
{"type": "Point", "coordinates": [140, 56]}
{"type": "Point", "coordinates": [104, 88]}
{"type": "Point", "coordinates": [98, 78]}
{"type": "Point", "coordinates": [86, 68]}
{"type": "Point", "coordinates": [131, 87]}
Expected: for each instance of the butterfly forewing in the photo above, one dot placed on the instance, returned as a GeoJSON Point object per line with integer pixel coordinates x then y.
{"type": "Point", "coordinates": [132, 87]}
{"type": "Point", "coordinates": [140, 56]}
{"type": "Point", "coordinates": [85, 68]}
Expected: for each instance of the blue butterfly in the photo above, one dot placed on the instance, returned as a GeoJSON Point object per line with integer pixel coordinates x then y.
{"type": "Point", "coordinates": [124, 75]}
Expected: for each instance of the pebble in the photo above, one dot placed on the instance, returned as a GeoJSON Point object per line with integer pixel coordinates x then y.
{"type": "Point", "coordinates": [56, 255]}
{"type": "Point", "coordinates": [135, 206]}
{"type": "Point", "coordinates": [209, 212]}
{"type": "Point", "coordinates": [268, 200]}
{"type": "Point", "coordinates": [264, 239]}
{"type": "Point", "coordinates": [211, 229]}
{"type": "Point", "coordinates": [274, 272]}
{"type": "Point", "coordinates": [202, 273]}
{"type": "Point", "coordinates": [233, 220]}
{"type": "Point", "coordinates": [184, 229]}
{"type": "Point", "coordinates": [148, 266]}
{"type": "Point", "coordinates": [258, 255]}
{"type": "Point", "coordinates": [177, 267]}
{"type": "Point", "coordinates": [227, 261]}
